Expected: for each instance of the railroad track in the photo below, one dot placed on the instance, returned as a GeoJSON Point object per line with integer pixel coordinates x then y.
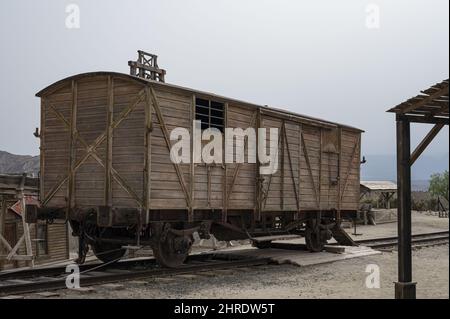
{"type": "Point", "coordinates": [426, 239]}
{"type": "Point", "coordinates": [54, 278]}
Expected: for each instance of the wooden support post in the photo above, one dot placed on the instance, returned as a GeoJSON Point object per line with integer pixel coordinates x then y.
{"type": "Point", "coordinates": [404, 288]}
{"type": "Point", "coordinates": [26, 233]}
{"type": "Point", "coordinates": [26, 230]}
{"type": "Point", "coordinates": [390, 195]}
{"type": "Point", "coordinates": [359, 164]}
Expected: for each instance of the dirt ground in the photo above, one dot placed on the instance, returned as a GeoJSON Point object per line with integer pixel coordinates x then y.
{"type": "Point", "coordinates": [341, 279]}
{"type": "Point", "coordinates": [422, 222]}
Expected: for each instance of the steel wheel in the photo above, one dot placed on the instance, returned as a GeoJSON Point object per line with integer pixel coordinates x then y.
{"type": "Point", "coordinates": [315, 238]}
{"type": "Point", "coordinates": [172, 250]}
{"type": "Point", "coordinates": [313, 241]}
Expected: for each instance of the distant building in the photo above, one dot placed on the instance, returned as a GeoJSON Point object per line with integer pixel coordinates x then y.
{"type": "Point", "coordinates": [23, 244]}
{"type": "Point", "coordinates": [384, 190]}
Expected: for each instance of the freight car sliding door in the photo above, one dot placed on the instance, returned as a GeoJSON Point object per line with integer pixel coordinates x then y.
{"type": "Point", "coordinates": [281, 191]}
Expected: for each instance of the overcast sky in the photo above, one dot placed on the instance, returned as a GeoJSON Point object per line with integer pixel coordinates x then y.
{"type": "Point", "coordinates": [317, 58]}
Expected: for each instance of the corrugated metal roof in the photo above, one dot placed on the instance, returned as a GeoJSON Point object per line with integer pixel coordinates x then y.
{"type": "Point", "coordinates": [379, 185]}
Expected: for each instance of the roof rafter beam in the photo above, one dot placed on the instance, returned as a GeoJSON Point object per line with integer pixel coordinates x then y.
{"type": "Point", "coordinates": [423, 119]}
{"type": "Point", "coordinates": [426, 100]}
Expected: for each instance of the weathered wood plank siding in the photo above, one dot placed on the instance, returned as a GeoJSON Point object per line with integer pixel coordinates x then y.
{"type": "Point", "coordinates": [329, 173]}
{"type": "Point", "coordinates": [166, 187]}
{"type": "Point", "coordinates": [318, 165]}
{"type": "Point", "coordinates": [91, 122]}
{"type": "Point", "coordinates": [241, 189]}
{"type": "Point", "coordinates": [57, 244]}
{"type": "Point", "coordinates": [128, 150]}
{"type": "Point", "coordinates": [57, 108]}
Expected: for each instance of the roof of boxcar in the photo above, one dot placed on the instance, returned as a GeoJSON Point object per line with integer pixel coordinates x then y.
{"type": "Point", "coordinates": [56, 85]}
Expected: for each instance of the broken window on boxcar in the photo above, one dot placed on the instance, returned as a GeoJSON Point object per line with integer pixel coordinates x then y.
{"type": "Point", "coordinates": [210, 113]}
{"type": "Point", "coordinates": [41, 239]}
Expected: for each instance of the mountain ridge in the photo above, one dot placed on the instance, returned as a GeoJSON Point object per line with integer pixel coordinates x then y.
{"type": "Point", "coordinates": [18, 164]}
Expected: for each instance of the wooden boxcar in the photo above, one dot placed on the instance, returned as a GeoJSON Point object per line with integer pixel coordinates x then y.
{"type": "Point", "coordinates": [105, 166]}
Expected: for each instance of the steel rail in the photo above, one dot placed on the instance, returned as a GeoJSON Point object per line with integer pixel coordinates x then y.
{"type": "Point", "coordinates": [445, 232]}
{"type": "Point", "coordinates": [417, 239]}
{"type": "Point", "coordinates": [121, 264]}
{"type": "Point", "coordinates": [55, 270]}
{"type": "Point", "coordinates": [60, 283]}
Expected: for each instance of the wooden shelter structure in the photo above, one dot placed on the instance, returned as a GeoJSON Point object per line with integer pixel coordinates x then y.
{"type": "Point", "coordinates": [385, 189]}
{"type": "Point", "coordinates": [14, 189]}
{"type": "Point", "coordinates": [23, 244]}
{"type": "Point", "coordinates": [429, 107]}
